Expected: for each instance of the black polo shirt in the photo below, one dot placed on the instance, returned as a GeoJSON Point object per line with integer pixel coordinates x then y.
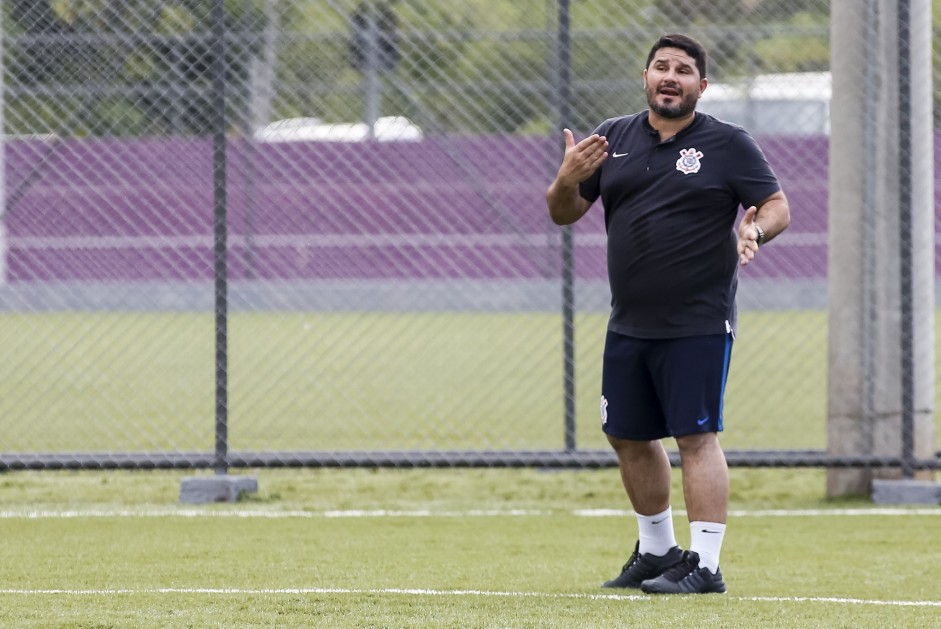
{"type": "Point", "coordinates": [670, 213]}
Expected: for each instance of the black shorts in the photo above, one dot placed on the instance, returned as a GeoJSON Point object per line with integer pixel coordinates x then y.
{"type": "Point", "coordinates": [656, 388]}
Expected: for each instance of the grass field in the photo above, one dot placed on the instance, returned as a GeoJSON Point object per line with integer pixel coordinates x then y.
{"type": "Point", "coordinates": [408, 548]}
{"type": "Point", "coordinates": [144, 382]}
{"type": "Point", "coordinates": [442, 548]}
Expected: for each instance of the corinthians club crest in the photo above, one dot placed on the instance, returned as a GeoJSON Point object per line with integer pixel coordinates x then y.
{"type": "Point", "coordinates": [688, 163]}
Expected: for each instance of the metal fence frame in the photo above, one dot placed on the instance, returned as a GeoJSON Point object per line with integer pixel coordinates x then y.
{"type": "Point", "coordinates": [222, 459]}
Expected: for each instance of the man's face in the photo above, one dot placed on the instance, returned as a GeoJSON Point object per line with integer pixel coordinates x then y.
{"type": "Point", "coordinates": [672, 83]}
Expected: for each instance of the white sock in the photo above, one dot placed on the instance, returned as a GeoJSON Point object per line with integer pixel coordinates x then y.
{"type": "Point", "coordinates": [656, 532]}
{"type": "Point", "coordinates": [706, 540]}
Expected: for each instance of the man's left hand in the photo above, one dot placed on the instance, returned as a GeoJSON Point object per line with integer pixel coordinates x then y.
{"type": "Point", "coordinates": [747, 237]}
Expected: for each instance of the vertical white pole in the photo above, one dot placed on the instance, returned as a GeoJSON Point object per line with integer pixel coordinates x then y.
{"type": "Point", "coordinates": [865, 382]}
{"type": "Point", "coordinates": [852, 232]}
{"type": "Point", "coordinates": [922, 244]}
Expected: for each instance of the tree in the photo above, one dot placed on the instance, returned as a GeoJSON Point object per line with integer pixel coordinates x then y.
{"type": "Point", "coordinates": [134, 62]}
{"type": "Point", "coordinates": [685, 12]}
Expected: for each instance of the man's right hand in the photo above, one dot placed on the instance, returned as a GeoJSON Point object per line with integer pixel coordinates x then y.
{"type": "Point", "coordinates": [582, 159]}
{"type": "Point", "coordinates": [566, 205]}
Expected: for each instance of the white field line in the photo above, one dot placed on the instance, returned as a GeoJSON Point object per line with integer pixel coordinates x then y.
{"type": "Point", "coordinates": [422, 592]}
{"type": "Point", "coordinates": [255, 513]}
{"type": "Point", "coordinates": [275, 514]}
{"type": "Point", "coordinates": [783, 513]}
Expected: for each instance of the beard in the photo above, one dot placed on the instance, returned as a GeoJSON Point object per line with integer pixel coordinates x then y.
{"type": "Point", "coordinates": [684, 105]}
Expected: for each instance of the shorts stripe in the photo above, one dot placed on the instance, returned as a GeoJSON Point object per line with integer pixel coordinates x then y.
{"type": "Point", "coordinates": [725, 378]}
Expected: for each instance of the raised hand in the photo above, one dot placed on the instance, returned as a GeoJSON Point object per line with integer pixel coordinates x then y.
{"type": "Point", "coordinates": [582, 159]}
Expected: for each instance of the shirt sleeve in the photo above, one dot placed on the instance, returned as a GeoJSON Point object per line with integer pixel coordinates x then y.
{"type": "Point", "coordinates": [754, 179]}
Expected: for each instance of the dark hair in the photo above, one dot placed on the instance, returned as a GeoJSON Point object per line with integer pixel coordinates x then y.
{"type": "Point", "coordinates": [685, 43]}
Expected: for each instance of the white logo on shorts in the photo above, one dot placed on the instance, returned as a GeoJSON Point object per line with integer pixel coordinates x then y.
{"type": "Point", "coordinates": [604, 410]}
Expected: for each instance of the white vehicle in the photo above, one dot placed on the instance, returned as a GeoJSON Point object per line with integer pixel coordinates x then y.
{"type": "Point", "coordinates": [773, 104]}
{"type": "Point", "coordinates": [386, 129]}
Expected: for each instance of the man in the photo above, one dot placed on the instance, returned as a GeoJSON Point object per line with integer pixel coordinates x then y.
{"type": "Point", "coordinates": [671, 186]}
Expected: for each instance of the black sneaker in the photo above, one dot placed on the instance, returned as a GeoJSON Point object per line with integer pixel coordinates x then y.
{"type": "Point", "coordinates": [686, 577]}
{"type": "Point", "coordinates": [644, 566]}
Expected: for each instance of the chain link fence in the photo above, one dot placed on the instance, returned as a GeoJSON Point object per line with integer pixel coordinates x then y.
{"type": "Point", "coordinates": [286, 232]}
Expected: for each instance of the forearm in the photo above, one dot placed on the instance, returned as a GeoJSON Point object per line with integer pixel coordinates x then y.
{"type": "Point", "coordinates": [565, 203]}
{"type": "Point", "coordinates": [773, 216]}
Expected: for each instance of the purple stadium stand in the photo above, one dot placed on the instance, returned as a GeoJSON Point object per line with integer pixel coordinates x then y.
{"type": "Point", "coordinates": [444, 208]}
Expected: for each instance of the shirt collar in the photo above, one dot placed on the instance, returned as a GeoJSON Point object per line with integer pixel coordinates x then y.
{"type": "Point", "coordinates": [697, 118]}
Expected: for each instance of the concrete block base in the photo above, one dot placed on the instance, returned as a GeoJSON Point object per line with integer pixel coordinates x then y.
{"type": "Point", "coordinates": [203, 489]}
{"type": "Point", "coordinates": [906, 492]}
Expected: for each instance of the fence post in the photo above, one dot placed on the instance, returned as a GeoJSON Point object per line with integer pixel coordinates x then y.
{"type": "Point", "coordinates": [568, 239]}
{"type": "Point", "coordinates": [220, 236]}
{"type": "Point", "coordinates": [906, 231]}
{"type": "Point", "coordinates": [221, 487]}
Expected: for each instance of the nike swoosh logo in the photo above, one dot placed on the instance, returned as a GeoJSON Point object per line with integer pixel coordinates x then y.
{"type": "Point", "coordinates": [658, 521]}
{"type": "Point", "coordinates": [713, 532]}
{"type": "Point", "coordinates": [702, 422]}
{"type": "Point", "coordinates": [616, 154]}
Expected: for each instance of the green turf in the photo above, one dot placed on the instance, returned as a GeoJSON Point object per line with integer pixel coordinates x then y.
{"type": "Point", "coordinates": [144, 382]}
{"type": "Point", "coordinates": [443, 490]}
{"type": "Point", "coordinates": [539, 569]}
